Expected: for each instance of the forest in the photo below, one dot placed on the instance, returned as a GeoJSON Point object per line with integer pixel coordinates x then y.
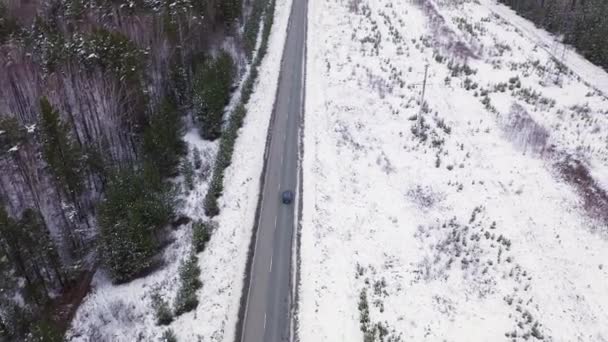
{"type": "Point", "coordinates": [94, 100]}
{"type": "Point", "coordinates": [581, 23]}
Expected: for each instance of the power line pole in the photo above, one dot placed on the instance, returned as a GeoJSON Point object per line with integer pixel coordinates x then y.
{"type": "Point", "coordinates": [426, 69]}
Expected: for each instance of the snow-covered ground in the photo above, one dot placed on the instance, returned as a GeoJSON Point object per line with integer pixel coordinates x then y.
{"type": "Point", "coordinates": [487, 222]}
{"type": "Point", "coordinates": [124, 312]}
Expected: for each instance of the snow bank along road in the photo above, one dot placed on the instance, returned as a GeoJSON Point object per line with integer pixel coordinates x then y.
{"type": "Point", "coordinates": [268, 310]}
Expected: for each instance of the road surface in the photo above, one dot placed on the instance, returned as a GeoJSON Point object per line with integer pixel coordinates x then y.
{"type": "Point", "coordinates": [268, 306]}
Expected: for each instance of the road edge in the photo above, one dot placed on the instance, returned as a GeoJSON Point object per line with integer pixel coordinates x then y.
{"type": "Point", "coordinates": [295, 322]}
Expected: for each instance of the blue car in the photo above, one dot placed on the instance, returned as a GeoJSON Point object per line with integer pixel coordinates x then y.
{"type": "Point", "coordinates": [287, 197]}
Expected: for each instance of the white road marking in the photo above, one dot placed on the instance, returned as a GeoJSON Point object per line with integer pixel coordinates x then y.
{"type": "Point", "coordinates": [275, 221]}
{"type": "Point", "coordinates": [270, 269]}
{"type": "Point", "coordinates": [264, 322]}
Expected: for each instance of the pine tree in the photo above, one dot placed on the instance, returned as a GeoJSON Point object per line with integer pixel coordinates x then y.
{"type": "Point", "coordinates": [180, 89]}
{"type": "Point", "coordinates": [61, 153]}
{"type": "Point", "coordinates": [13, 134]}
{"type": "Point", "coordinates": [229, 10]}
{"type": "Point", "coordinates": [32, 254]}
{"type": "Point", "coordinates": [136, 207]}
{"type": "Point", "coordinates": [8, 24]}
{"type": "Point", "coordinates": [113, 52]}
{"type": "Point", "coordinates": [42, 251]}
{"type": "Point", "coordinates": [162, 143]}
{"type": "Point", "coordinates": [211, 94]}
{"type": "Point", "coordinates": [13, 323]}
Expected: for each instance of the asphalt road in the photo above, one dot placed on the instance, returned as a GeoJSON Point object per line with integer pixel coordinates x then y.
{"type": "Point", "coordinates": [269, 301]}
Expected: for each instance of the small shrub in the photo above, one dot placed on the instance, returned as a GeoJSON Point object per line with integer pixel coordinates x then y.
{"type": "Point", "coordinates": [515, 81]}
{"type": "Point", "coordinates": [188, 172]}
{"type": "Point", "coordinates": [163, 313]}
{"type": "Point", "coordinates": [168, 336]}
{"type": "Point", "coordinates": [364, 319]}
{"type": "Point", "coordinates": [189, 273]}
{"type": "Point", "coordinates": [458, 69]}
{"type": "Point", "coordinates": [536, 332]}
{"type": "Point", "coordinates": [196, 158]}
{"type": "Point", "coordinates": [213, 193]}
{"type": "Point", "coordinates": [500, 87]}
{"type": "Point", "coordinates": [201, 234]}
{"type": "Point", "coordinates": [442, 125]}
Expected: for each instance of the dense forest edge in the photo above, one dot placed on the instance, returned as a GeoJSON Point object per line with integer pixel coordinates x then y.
{"type": "Point", "coordinates": [580, 23]}
{"type": "Point", "coordinates": [94, 101]}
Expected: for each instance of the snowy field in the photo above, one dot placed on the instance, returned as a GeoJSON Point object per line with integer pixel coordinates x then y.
{"type": "Point", "coordinates": [483, 219]}
{"type": "Point", "coordinates": [124, 313]}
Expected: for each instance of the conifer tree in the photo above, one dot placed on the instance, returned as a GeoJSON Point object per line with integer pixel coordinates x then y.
{"type": "Point", "coordinates": [229, 10]}
{"type": "Point", "coordinates": [8, 25]}
{"type": "Point", "coordinates": [32, 254]}
{"type": "Point", "coordinates": [211, 94]}
{"type": "Point", "coordinates": [162, 143]}
{"type": "Point", "coordinates": [61, 153]}
{"type": "Point", "coordinates": [13, 133]}
{"type": "Point", "coordinates": [136, 207]}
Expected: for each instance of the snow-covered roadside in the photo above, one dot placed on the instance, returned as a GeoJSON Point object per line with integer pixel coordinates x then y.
{"type": "Point", "coordinates": [242, 177]}
{"type": "Point", "coordinates": [465, 231]}
{"type": "Point", "coordinates": [124, 312]}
